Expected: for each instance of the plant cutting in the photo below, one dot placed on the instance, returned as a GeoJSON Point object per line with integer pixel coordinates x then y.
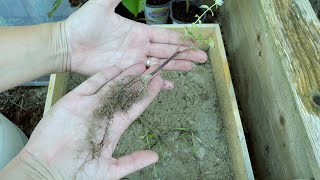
{"type": "Point", "coordinates": [186, 11]}
{"type": "Point", "coordinates": [157, 11]}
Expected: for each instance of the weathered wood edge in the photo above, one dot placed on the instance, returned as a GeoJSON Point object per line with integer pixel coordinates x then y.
{"type": "Point", "coordinates": [56, 89]}
{"type": "Point", "coordinates": [274, 57]}
{"type": "Point", "coordinates": [58, 84]}
{"type": "Point", "coordinates": [296, 33]}
{"type": "Point", "coordinates": [229, 104]}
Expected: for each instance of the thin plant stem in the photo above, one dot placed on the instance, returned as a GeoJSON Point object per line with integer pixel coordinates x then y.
{"type": "Point", "coordinates": [166, 62]}
{"type": "Point", "coordinates": [154, 166]}
{"type": "Point", "coordinates": [177, 52]}
{"type": "Point", "coordinates": [199, 18]}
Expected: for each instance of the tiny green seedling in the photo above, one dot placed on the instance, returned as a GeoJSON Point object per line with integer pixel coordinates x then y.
{"type": "Point", "coordinates": [147, 138]}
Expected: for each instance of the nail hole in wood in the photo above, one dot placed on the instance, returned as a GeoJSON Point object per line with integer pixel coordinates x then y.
{"type": "Point", "coordinates": [258, 38]}
{"type": "Point", "coordinates": [282, 121]}
{"type": "Point", "coordinates": [316, 100]}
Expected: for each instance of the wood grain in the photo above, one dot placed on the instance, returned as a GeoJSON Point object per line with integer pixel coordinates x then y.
{"type": "Point", "coordinates": [274, 56]}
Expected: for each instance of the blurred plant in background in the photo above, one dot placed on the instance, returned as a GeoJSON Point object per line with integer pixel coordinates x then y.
{"type": "Point", "coordinates": [134, 6]}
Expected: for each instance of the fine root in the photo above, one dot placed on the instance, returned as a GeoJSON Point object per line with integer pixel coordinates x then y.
{"type": "Point", "coordinates": [119, 98]}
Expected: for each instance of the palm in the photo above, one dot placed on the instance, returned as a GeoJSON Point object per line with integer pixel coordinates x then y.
{"type": "Point", "coordinates": [59, 138]}
{"type": "Point", "coordinates": [100, 38]}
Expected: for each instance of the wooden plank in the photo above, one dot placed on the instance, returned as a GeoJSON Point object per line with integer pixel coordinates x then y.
{"type": "Point", "coordinates": [229, 107]}
{"type": "Point", "coordinates": [274, 56]}
{"type": "Point", "coordinates": [237, 144]}
{"type": "Point", "coordinates": [56, 90]}
{"type": "Point", "coordinates": [236, 140]}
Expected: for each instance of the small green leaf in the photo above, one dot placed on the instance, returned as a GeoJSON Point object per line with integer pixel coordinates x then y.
{"type": "Point", "coordinates": [186, 33]}
{"type": "Point", "coordinates": [196, 16]}
{"type": "Point", "coordinates": [211, 12]}
{"type": "Point", "coordinates": [134, 6]}
{"type": "Point", "coordinates": [204, 6]}
{"type": "Point", "coordinates": [211, 42]}
{"type": "Point", "coordinates": [200, 22]}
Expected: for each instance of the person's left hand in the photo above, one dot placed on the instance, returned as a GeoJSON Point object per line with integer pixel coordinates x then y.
{"type": "Point", "coordinates": [98, 38]}
{"type": "Point", "coordinates": [60, 146]}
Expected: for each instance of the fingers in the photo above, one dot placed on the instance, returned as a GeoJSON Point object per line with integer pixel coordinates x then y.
{"type": "Point", "coordinates": [125, 77]}
{"type": "Point", "coordinates": [167, 50]}
{"type": "Point", "coordinates": [167, 85]}
{"type": "Point", "coordinates": [174, 65]}
{"type": "Point", "coordinates": [122, 120]}
{"type": "Point", "coordinates": [154, 87]}
{"type": "Point", "coordinates": [165, 36]}
{"type": "Point", "coordinates": [133, 162]}
{"type": "Point", "coordinates": [94, 83]}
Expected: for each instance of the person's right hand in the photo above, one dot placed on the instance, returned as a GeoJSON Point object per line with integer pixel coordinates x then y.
{"type": "Point", "coordinates": [58, 147]}
{"type": "Point", "coordinates": [98, 38]}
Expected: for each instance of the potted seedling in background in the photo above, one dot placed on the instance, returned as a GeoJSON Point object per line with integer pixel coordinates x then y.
{"type": "Point", "coordinates": [187, 11]}
{"type": "Point", "coordinates": [157, 11]}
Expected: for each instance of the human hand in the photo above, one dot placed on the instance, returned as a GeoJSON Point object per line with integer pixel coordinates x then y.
{"type": "Point", "coordinates": [59, 147]}
{"type": "Point", "coordinates": [99, 38]}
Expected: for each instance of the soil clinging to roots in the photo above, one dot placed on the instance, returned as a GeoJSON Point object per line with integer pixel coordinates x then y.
{"type": "Point", "coordinates": [119, 98]}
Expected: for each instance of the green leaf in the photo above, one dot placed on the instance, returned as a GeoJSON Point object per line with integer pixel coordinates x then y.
{"type": "Point", "coordinates": [134, 6]}
{"type": "Point", "coordinates": [211, 12]}
{"type": "Point", "coordinates": [56, 4]}
{"type": "Point", "coordinates": [189, 33]}
{"type": "Point", "coordinates": [186, 33]}
{"type": "Point", "coordinates": [204, 6]}
{"type": "Point", "coordinates": [211, 42]}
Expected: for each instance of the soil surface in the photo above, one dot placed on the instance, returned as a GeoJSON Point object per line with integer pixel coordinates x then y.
{"type": "Point", "coordinates": [180, 14]}
{"type": "Point", "coordinates": [316, 6]}
{"type": "Point", "coordinates": [183, 126]}
{"type": "Point", "coordinates": [24, 106]}
{"type": "Point", "coordinates": [157, 2]}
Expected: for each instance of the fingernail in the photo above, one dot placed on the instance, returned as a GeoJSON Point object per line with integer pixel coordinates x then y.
{"type": "Point", "coordinates": [203, 56]}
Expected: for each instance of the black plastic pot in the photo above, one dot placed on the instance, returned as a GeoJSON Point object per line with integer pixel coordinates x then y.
{"type": "Point", "coordinates": [176, 21]}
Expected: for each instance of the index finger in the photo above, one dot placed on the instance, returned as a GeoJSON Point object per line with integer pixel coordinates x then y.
{"type": "Point", "coordinates": [166, 36]}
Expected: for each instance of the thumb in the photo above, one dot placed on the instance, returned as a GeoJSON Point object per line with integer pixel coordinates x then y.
{"type": "Point", "coordinates": [134, 162]}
